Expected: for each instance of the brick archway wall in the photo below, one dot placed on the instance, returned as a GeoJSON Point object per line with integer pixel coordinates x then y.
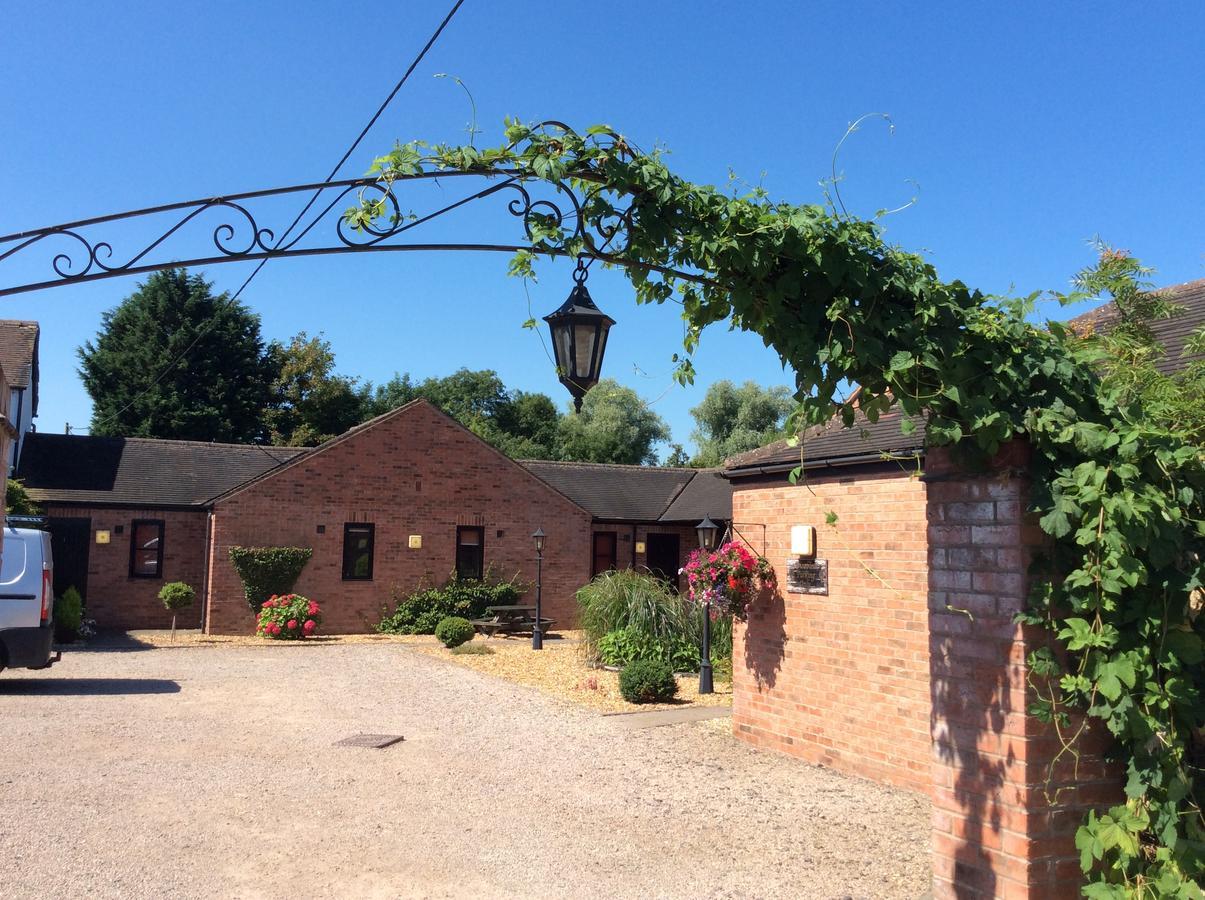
{"type": "Point", "coordinates": [947, 715]}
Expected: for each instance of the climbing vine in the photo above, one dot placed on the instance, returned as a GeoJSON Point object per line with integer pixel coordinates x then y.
{"type": "Point", "coordinates": [1119, 488]}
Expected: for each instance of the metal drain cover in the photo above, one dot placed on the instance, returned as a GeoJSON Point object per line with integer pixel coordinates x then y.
{"type": "Point", "coordinates": [371, 741]}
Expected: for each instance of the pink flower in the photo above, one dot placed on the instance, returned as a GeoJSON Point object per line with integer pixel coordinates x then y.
{"type": "Point", "coordinates": [313, 611]}
{"type": "Point", "coordinates": [268, 604]}
{"type": "Point", "coordinates": [309, 626]}
{"type": "Point", "coordinates": [292, 624]}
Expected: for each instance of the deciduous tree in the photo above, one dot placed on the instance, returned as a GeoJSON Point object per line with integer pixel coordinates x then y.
{"type": "Point", "coordinates": [734, 419]}
{"type": "Point", "coordinates": [615, 426]}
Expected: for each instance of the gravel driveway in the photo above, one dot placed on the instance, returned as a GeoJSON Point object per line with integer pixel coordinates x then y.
{"type": "Point", "coordinates": [212, 771]}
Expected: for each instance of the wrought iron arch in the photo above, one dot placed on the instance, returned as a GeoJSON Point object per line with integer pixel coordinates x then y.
{"type": "Point", "coordinates": [83, 252]}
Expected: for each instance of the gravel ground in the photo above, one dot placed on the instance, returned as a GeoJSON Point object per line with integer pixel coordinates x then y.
{"type": "Point", "coordinates": [212, 771]}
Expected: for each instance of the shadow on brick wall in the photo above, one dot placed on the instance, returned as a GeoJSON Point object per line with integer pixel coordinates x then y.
{"type": "Point", "coordinates": [766, 638]}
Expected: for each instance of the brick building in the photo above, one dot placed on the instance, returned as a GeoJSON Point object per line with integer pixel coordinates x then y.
{"type": "Point", "coordinates": [400, 501]}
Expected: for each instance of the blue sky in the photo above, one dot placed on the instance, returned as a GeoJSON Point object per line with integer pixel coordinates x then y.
{"type": "Point", "coordinates": [1030, 127]}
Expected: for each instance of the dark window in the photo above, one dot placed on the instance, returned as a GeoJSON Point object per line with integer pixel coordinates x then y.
{"type": "Point", "coordinates": [146, 548]}
{"type": "Point", "coordinates": [470, 551]}
{"type": "Point", "coordinates": [604, 552]}
{"type": "Point", "coordinates": [357, 551]}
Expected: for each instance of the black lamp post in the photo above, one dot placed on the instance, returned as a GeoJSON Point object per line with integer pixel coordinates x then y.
{"type": "Point", "coordinates": [707, 531]}
{"type": "Point", "coordinates": [537, 634]}
{"type": "Point", "coordinates": [579, 338]}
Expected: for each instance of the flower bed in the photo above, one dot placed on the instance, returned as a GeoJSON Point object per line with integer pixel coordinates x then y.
{"type": "Point", "coordinates": [288, 618]}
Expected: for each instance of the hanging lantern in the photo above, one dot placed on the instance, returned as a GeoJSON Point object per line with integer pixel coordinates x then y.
{"type": "Point", "coordinates": [579, 338]}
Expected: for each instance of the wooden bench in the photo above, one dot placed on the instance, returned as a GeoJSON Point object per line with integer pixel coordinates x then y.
{"type": "Point", "coordinates": [509, 620]}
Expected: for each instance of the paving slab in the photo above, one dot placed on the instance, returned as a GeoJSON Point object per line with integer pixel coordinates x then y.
{"type": "Point", "coordinates": [659, 717]}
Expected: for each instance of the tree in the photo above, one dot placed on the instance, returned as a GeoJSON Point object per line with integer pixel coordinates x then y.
{"type": "Point", "coordinates": [310, 403]}
{"type": "Point", "coordinates": [174, 361]}
{"type": "Point", "coordinates": [522, 425]}
{"type": "Point", "coordinates": [17, 501]}
{"type": "Point", "coordinates": [614, 426]}
{"type": "Point", "coordinates": [677, 456]}
{"type": "Point", "coordinates": [734, 419]}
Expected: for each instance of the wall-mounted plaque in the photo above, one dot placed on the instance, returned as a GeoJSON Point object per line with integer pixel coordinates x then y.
{"type": "Point", "coordinates": [415, 542]}
{"type": "Point", "coordinates": [806, 576]}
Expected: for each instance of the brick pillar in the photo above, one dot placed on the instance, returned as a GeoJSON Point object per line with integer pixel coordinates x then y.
{"type": "Point", "coordinates": [1000, 829]}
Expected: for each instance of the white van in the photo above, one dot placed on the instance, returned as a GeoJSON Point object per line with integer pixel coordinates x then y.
{"type": "Point", "coordinates": [26, 599]}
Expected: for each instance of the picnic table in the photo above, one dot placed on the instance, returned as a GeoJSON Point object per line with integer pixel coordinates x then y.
{"type": "Point", "coordinates": [510, 619]}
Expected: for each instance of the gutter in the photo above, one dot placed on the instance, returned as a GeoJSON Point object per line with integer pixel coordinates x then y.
{"type": "Point", "coordinates": [838, 463]}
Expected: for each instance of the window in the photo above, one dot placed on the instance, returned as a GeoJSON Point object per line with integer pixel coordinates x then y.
{"type": "Point", "coordinates": [358, 540]}
{"type": "Point", "coordinates": [604, 552]}
{"type": "Point", "coordinates": [146, 548]}
{"type": "Point", "coordinates": [470, 551]}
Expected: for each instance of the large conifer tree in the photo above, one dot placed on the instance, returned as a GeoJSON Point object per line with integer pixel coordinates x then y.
{"type": "Point", "coordinates": [216, 391]}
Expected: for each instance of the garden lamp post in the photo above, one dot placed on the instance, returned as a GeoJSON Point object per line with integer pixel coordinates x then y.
{"type": "Point", "coordinates": [537, 635]}
{"type": "Point", "coordinates": [707, 531]}
{"type": "Point", "coordinates": [579, 338]}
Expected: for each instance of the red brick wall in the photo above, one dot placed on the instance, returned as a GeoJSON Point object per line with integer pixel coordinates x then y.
{"type": "Point", "coordinates": [414, 471]}
{"type": "Point", "coordinates": [625, 542]}
{"type": "Point", "coordinates": [114, 599]}
{"type": "Point", "coordinates": [842, 679]}
{"type": "Point", "coordinates": [1000, 828]}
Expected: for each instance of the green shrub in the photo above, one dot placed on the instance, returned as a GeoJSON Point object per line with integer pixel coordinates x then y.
{"type": "Point", "coordinates": [721, 668]}
{"type": "Point", "coordinates": [268, 571]}
{"type": "Point", "coordinates": [454, 631]}
{"type": "Point", "coordinates": [177, 595]}
{"type": "Point", "coordinates": [628, 645]}
{"type": "Point", "coordinates": [647, 681]}
{"type": "Point", "coordinates": [424, 609]}
{"type": "Point", "coordinates": [627, 599]}
{"type": "Point", "coordinates": [17, 502]}
{"type": "Point", "coordinates": [68, 616]}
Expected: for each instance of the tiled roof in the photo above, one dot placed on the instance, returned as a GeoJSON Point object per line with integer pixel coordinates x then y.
{"type": "Point", "coordinates": [632, 493]}
{"type": "Point", "coordinates": [707, 494]}
{"type": "Point", "coordinates": [1170, 333]}
{"type": "Point", "coordinates": [833, 444]}
{"type": "Point", "coordinates": [139, 471]}
{"type": "Point", "coordinates": [19, 355]}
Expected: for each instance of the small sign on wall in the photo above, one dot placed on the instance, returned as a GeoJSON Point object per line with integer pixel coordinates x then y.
{"type": "Point", "coordinates": [102, 536]}
{"type": "Point", "coordinates": [805, 576]}
{"type": "Point", "coordinates": [640, 546]}
{"type": "Point", "coordinates": [416, 542]}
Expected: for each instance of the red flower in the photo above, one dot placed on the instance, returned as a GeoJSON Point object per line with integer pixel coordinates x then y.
{"type": "Point", "coordinates": [309, 626]}
{"type": "Point", "coordinates": [313, 608]}
{"type": "Point", "coordinates": [267, 604]}
{"type": "Point", "coordinates": [292, 624]}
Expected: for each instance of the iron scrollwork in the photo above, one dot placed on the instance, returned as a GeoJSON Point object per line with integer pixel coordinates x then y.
{"type": "Point", "coordinates": [552, 218]}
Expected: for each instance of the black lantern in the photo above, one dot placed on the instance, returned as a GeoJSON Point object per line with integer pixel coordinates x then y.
{"type": "Point", "coordinates": [579, 338]}
{"type": "Point", "coordinates": [537, 632]}
{"type": "Point", "coordinates": [707, 531]}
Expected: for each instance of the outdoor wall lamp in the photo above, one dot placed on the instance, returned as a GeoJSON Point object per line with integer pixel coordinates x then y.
{"type": "Point", "coordinates": [803, 540]}
{"type": "Point", "coordinates": [537, 633]}
{"type": "Point", "coordinates": [579, 338]}
{"type": "Point", "coordinates": [707, 531]}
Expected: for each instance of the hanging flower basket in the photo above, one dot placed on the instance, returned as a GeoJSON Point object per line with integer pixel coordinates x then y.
{"type": "Point", "coordinates": [728, 578]}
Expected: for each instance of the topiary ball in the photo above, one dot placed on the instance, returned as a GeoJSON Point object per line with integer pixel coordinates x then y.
{"type": "Point", "coordinates": [454, 631]}
{"type": "Point", "coordinates": [647, 681]}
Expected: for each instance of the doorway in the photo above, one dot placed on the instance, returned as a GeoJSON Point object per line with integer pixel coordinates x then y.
{"type": "Point", "coordinates": [661, 557]}
{"type": "Point", "coordinates": [604, 552]}
{"type": "Point", "coordinates": [70, 538]}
